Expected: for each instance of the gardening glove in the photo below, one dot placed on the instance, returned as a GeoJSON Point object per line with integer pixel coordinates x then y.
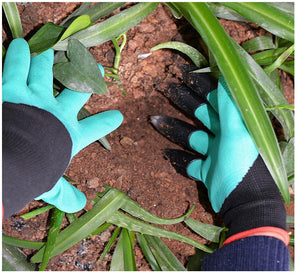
{"type": "Point", "coordinates": [228, 146]}
{"type": "Point", "coordinates": [224, 158]}
{"type": "Point", "coordinates": [28, 83]}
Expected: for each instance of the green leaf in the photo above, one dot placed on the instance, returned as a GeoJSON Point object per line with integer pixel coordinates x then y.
{"type": "Point", "coordinates": [136, 210]}
{"type": "Point", "coordinates": [147, 252]}
{"type": "Point", "coordinates": [226, 13]}
{"type": "Point", "coordinates": [267, 16]}
{"type": "Point", "coordinates": [21, 243]}
{"type": "Point", "coordinates": [259, 43]}
{"type": "Point", "coordinates": [288, 154]}
{"type": "Point", "coordinates": [36, 212]}
{"type": "Point", "coordinates": [166, 259]}
{"type": "Point", "coordinates": [289, 67]}
{"type": "Point", "coordinates": [45, 38]}
{"type": "Point", "coordinates": [128, 250]}
{"type": "Point", "coordinates": [100, 10]}
{"type": "Point", "coordinates": [197, 58]}
{"type": "Point", "coordinates": [112, 27]}
{"type": "Point", "coordinates": [55, 224]}
{"type": "Point", "coordinates": [13, 19]}
{"type": "Point", "coordinates": [95, 12]}
{"type": "Point", "coordinates": [268, 56]}
{"type": "Point", "coordinates": [109, 244]}
{"type": "Point", "coordinates": [243, 88]}
{"type": "Point", "coordinates": [280, 60]}
{"type": "Point", "coordinates": [81, 73]}
{"type": "Point", "coordinates": [175, 12]}
{"type": "Point", "coordinates": [80, 23]}
{"type": "Point", "coordinates": [14, 260]}
{"type": "Point", "coordinates": [287, 106]}
{"type": "Point", "coordinates": [207, 231]}
{"type": "Point", "coordinates": [117, 261]}
{"type": "Point", "coordinates": [122, 220]}
{"type": "Point", "coordinates": [101, 229]}
{"type": "Point", "coordinates": [80, 11]}
{"type": "Point", "coordinates": [86, 224]}
{"type": "Point", "coordinates": [71, 217]}
{"type": "Point", "coordinates": [269, 92]}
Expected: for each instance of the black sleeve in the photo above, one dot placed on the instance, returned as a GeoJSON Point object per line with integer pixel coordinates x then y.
{"type": "Point", "coordinates": [257, 253]}
{"type": "Point", "coordinates": [36, 150]}
{"type": "Point", "coordinates": [256, 202]}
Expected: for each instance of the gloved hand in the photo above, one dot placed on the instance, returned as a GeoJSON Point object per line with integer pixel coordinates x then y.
{"type": "Point", "coordinates": [227, 148]}
{"type": "Point", "coordinates": [29, 81]}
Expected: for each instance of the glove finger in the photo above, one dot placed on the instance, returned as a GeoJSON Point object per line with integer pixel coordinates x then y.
{"type": "Point", "coordinates": [97, 126]}
{"type": "Point", "coordinates": [194, 169]}
{"type": "Point", "coordinates": [181, 133]}
{"type": "Point", "coordinates": [184, 97]}
{"type": "Point", "coordinates": [40, 78]}
{"type": "Point", "coordinates": [17, 63]}
{"type": "Point", "coordinates": [201, 83]}
{"type": "Point", "coordinates": [209, 117]}
{"type": "Point", "coordinates": [193, 104]}
{"type": "Point", "coordinates": [180, 160]}
{"type": "Point", "coordinates": [73, 101]}
{"type": "Point", "coordinates": [64, 196]}
{"type": "Point", "coordinates": [230, 116]}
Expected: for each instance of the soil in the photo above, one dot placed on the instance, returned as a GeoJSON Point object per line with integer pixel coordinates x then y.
{"type": "Point", "coordinates": [136, 163]}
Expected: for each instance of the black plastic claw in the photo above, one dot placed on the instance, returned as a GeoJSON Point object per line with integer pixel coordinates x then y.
{"type": "Point", "coordinates": [180, 160]}
{"type": "Point", "coordinates": [174, 129]}
{"type": "Point", "coordinates": [201, 83]}
{"type": "Point", "coordinates": [185, 98]}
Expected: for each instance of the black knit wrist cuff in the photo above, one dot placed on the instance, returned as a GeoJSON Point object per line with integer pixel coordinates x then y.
{"type": "Point", "coordinates": [255, 202]}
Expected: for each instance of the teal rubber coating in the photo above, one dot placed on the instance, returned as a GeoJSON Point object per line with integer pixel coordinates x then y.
{"type": "Point", "coordinates": [230, 154]}
{"type": "Point", "coordinates": [199, 141]}
{"type": "Point", "coordinates": [29, 81]}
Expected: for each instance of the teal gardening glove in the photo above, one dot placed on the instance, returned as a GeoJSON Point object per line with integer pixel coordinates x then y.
{"type": "Point", "coordinates": [29, 81]}
{"type": "Point", "coordinates": [227, 146]}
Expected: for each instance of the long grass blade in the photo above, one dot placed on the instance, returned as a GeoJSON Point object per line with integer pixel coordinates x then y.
{"type": "Point", "coordinates": [86, 224]}
{"type": "Point", "coordinates": [109, 244]}
{"type": "Point", "coordinates": [117, 261]}
{"type": "Point", "coordinates": [266, 15]}
{"type": "Point", "coordinates": [280, 60]}
{"type": "Point", "coordinates": [14, 260]}
{"type": "Point", "coordinates": [136, 210]}
{"type": "Point", "coordinates": [56, 220]}
{"type": "Point", "coordinates": [125, 221]}
{"type": "Point", "coordinates": [166, 259]}
{"type": "Point", "coordinates": [21, 243]}
{"type": "Point", "coordinates": [128, 250]}
{"type": "Point", "coordinates": [243, 89]}
{"type": "Point", "coordinates": [269, 92]}
{"type": "Point", "coordinates": [112, 27]}
{"type": "Point", "coordinates": [36, 212]}
{"type": "Point", "coordinates": [13, 19]}
{"type": "Point", "coordinates": [207, 231]}
{"type": "Point", "coordinates": [147, 252]}
{"type": "Point", "coordinates": [224, 12]}
{"type": "Point", "coordinates": [259, 43]}
{"type": "Point", "coordinates": [197, 58]}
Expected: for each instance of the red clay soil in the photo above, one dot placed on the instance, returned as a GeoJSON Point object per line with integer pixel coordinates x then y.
{"type": "Point", "coordinates": [136, 164]}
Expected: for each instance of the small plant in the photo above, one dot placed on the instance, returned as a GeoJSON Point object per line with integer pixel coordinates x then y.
{"type": "Point", "coordinates": [113, 208]}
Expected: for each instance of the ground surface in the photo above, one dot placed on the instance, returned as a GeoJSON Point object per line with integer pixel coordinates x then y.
{"type": "Point", "coordinates": [136, 164]}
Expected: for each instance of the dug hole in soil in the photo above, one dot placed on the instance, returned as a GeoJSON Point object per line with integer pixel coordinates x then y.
{"type": "Point", "coordinates": [136, 164]}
